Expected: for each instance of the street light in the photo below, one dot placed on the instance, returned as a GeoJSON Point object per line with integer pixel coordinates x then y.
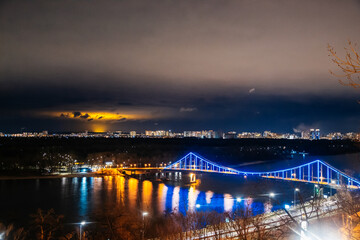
{"type": "Point", "coordinates": [81, 224]}
{"type": "Point", "coordinates": [287, 206]}
{"type": "Point", "coordinates": [333, 182]}
{"type": "Point", "coordinates": [238, 199]}
{"type": "Point", "coordinates": [271, 195]}
{"type": "Point", "coordinates": [197, 205]}
{"type": "Point", "coordinates": [295, 190]}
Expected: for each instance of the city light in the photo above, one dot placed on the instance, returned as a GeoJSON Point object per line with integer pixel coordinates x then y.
{"type": "Point", "coordinates": [238, 199]}
{"type": "Point", "coordinates": [100, 130]}
{"type": "Point", "coordinates": [287, 206]}
{"type": "Point", "coordinates": [295, 190]}
{"type": "Point", "coordinates": [197, 205]}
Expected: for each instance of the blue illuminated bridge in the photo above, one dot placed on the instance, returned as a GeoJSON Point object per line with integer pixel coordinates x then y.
{"type": "Point", "coordinates": [317, 171]}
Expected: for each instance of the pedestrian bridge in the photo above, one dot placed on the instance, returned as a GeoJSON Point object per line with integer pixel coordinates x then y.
{"type": "Point", "coordinates": [317, 171]}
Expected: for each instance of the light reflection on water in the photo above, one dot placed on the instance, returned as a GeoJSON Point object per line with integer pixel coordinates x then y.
{"type": "Point", "coordinates": [83, 204]}
{"type": "Point", "coordinates": [157, 197]}
{"type": "Point", "coordinates": [85, 196]}
{"type": "Point", "coordinates": [82, 197]}
{"type": "Point", "coordinates": [133, 192]}
{"type": "Point", "coordinates": [120, 190]}
{"type": "Point", "coordinates": [209, 195]}
{"type": "Point", "coordinates": [162, 191]}
{"type": "Point", "coordinates": [175, 199]}
{"type": "Point", "coordinates": [228, 202]}
{"type": "Point", "coordinates": [192, 197]}
{"type": "Point", "coordinates": [147, 192]}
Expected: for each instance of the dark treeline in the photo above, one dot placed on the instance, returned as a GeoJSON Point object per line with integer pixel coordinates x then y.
{"type": "Point", "coordinates": [19, 154]}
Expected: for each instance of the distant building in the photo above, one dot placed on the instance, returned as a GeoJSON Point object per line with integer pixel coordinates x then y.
{"type": "Point", "coordinates": [312, 133]}
{"type": "Point", "coordinates": [249, 135]}
{"type": "Point", "coordinates": [334, 136]}
{"type": "Point", "coordinates": [133, 134]}
{"type": "Point", "coordinates": [317, 134]}
{"type": "Point", "coordinates": [229, 135]}
{"type": "Point", "coordinates": [201, 134]}
{"type": "Point", "coordinates": [267, 134]}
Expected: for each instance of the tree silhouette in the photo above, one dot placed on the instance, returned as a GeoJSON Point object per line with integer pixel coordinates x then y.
{"type": "Point", "coordinates": [349, 65]}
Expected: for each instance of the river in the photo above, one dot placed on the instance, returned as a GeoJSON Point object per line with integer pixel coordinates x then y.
{"type": "Point", "coordinates": [81, 198]}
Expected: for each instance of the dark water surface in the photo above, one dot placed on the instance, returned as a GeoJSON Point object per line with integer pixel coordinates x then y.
{"type": "Point", "coordinates": [83, 197]}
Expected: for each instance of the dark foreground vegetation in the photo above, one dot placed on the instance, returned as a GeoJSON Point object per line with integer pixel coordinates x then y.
{"type": "Point", "coordinates": [339, 220]}
{"type": "Point", "coordinates": [35, 155]}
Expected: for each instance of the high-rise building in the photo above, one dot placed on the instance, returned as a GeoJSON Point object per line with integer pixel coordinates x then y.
{"type": "Point", "coordinates": [312, 133]}
{"type": "Point", "coordinates": [317, 134]}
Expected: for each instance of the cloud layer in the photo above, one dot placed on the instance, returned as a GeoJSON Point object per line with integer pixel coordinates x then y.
{"type": "Point", "coordinates": [177, 64]}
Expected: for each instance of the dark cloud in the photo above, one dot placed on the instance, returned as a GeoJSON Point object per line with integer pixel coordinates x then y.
{"type": "Point", "coordinates": [238, 43]}
{"type": "Point", "coordinates": [85, 116]}
{"type": "Point", "coordinates": [188, 109]}
{"type": "Point", "coordinates": [124, 103]}
{"type": "Point", "coordinates": [186, 64]}
{"type": "Point", "coordinates": [122, 120]}
{"type": "Point", "coordinates": [77, 114]}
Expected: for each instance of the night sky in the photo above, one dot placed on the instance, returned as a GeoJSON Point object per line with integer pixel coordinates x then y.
{"type": "Point", "coordinates": [242, 65]}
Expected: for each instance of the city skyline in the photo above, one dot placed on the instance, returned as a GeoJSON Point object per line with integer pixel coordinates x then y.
{"type": "Point", "coordinates": [242, 65]}
{"type": "Point", "coordinates": [310, 134]}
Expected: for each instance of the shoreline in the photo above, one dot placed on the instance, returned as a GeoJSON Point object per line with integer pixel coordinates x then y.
{"type": "Point", "coordinates": [57, 176]}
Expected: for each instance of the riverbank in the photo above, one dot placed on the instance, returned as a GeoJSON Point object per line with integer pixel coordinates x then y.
{"type": "Point", "coordinates": [93, 174]}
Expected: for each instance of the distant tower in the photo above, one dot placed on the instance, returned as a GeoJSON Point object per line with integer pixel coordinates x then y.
{"type": "Point", "coordinates": [312, 133]}
{"type": "Point", "coordinates": [317, 134]}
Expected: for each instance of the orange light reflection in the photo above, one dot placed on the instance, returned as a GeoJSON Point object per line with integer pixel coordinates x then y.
{"type": "Point", "coordinates": [162, 191]}
{"type": "Point", "coordinates": [147, 188]}
{"type": "Point", "coordinates": [133, 192]}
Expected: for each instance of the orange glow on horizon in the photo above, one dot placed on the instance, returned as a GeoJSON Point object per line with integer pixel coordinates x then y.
{"type": "Point", "coordinates": [98, 128]}
{"type": "Point", "coordinates": [96, 116]}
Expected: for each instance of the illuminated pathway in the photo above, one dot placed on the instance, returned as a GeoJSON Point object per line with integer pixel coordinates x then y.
{"type": "Point", "coordinates": [316, 171]}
